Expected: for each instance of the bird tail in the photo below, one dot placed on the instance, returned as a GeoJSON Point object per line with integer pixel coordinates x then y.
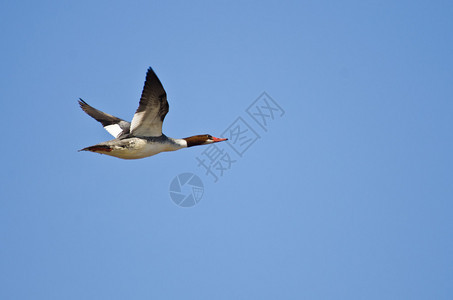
{"type": "Point", "coordinates": [97, 148]}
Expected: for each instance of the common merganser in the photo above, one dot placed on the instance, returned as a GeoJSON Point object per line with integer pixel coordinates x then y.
{"type": "Point", "coordinates": [142, 137]}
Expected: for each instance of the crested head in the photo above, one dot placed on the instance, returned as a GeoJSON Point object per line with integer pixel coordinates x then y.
{"type": "Point", "coordinates": [202, 139]}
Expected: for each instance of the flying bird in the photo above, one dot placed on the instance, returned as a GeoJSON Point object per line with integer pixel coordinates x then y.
{"type": "Point", "coordinates": [143, 136]}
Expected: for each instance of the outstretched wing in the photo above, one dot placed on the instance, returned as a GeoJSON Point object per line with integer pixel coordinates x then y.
{"type": "Point", "coordinates": [152, 109]}
{"type": "Point", "coordinates": [115, 126]}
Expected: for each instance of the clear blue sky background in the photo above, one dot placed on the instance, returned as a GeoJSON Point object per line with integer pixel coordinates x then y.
{"type": "Point", "coordinates": [347, 196]}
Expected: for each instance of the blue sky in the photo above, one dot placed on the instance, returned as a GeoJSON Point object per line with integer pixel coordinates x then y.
{"type": "Point", "coordinates": [348, 195]}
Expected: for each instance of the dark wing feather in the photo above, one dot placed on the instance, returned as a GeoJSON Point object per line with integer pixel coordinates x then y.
{"type": "Point", "coordinates": [152, 109]}
{"type": "Point", "coordinates": [115, 126]}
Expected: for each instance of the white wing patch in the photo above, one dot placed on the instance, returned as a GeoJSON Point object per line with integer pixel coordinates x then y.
{"type": "Point", "coordinates": [138, 128]}
{"type": "Point", "coordinates": [114, 129]}
{"type": "Point", "coordinates": [137, 120]}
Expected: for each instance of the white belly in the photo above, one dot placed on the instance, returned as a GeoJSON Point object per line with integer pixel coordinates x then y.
{"type": "Point", "coordinates": [139, 148]}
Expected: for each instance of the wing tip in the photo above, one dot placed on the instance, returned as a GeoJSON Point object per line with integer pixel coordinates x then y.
{"type": "Point", "coordinates": [82, 103]}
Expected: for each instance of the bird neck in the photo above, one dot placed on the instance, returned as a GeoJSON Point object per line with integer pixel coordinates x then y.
{"type": "Point", "coordinates": [181, 143]}
{"type": "Point", "coordinates": [195, 140]}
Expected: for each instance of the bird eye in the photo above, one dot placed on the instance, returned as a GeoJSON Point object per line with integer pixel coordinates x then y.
{"type": "Point", "coordinates": [209, 136]}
